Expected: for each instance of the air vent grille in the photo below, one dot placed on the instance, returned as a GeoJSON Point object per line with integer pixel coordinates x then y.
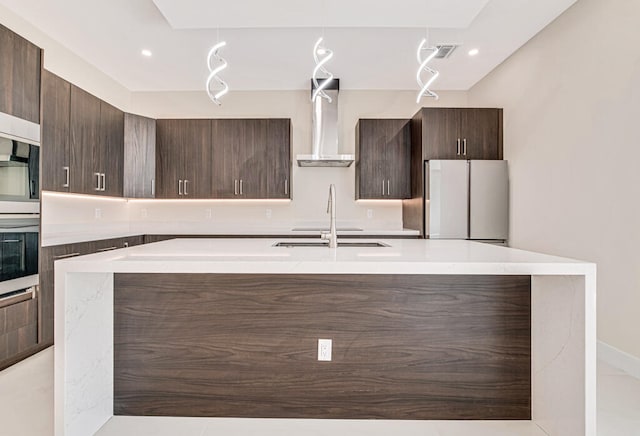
{"type": "Point", "coordinates": [445, 50]}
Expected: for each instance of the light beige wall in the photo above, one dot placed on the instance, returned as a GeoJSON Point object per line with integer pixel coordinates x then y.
{"type": "Point", "coordinates": [61, 61]}
{"type": "Point", "coordinates": [571, 101]}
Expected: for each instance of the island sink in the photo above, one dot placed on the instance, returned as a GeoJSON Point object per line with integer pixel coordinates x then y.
{"type": "Point", "coordinates": [324, 244]}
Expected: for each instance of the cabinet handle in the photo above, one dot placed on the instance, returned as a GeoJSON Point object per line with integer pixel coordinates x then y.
{"type": "Point", "coordinates": [106, 249]}
{"type": "Point", "coordinates": [286, 186]}
{"type": "Point", "coordinates": [153, 187]}
{"type": "Point", "coordinates": [179, 187]}
{"type": "Point", "coordinates": [464, 146]}
{"type": "Point", "coordinates": [104, 181]}
{"type": "Point", "coordinates": [240, 186]}
{"type": "Point", "coordinates": [388, 187]}
{"type": "Point", "coordinates": [383, 187]}
{"type": "Point", "coordinates": [66, 177]}
{"type": "Point", "coordinates": [458, 147]}
{"type": "Point", "coordinates": [185, 187]}
{"type": "Point", "coordinates": [66, 256]}
{"type": "Point", "coordinates": [97, 188]}
{"type": "Point", "coordinates": [32, 188]}
{"type": "Point", "coordinates": [235, 186]}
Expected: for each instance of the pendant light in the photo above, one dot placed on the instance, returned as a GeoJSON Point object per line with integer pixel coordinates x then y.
{"type": "Point", "coordinates": [321, 55]}
{"type": "Point", "coordinates": [425, 69]}
{"type": "Point", "coordinates": [222, 87]}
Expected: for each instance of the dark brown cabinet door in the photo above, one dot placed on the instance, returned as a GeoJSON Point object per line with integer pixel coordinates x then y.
{"type": "Point", "coordinates": [227, 137]}
{"type": "Point", "coordinates": [252, 160]}
{"type": "Point", "coordinates": [56, 101]}
{"type": "Point", "coordinates": [183, 158]}
{"type": "Point", "coordinates": [441, 133]}
{"type": "Point", "coordinates": [278, 171]}
{"type": "Point", "coordinates": [197, 158]}
{"type": "Point", "coordinates": [169, 155]}
{"type": "Point", "coordinates": [481, 135]}
{"type": "Point", "coordinates": [84, 142]}
{"type": "Point", "coordinates": [383, 159]}
{"type": "Point", "coordinates": [20, 68]}
{"type": "Point", "coordinates": [139, 156]}
{"type": "Point", "coordinates": [110, 151]}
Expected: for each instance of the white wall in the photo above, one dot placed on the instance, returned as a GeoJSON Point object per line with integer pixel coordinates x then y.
{"type": "Point", "coordinates": [571, 100]}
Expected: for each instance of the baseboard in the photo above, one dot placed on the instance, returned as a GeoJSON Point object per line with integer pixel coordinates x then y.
{"type": "Point", "coordinates": [619, 359]}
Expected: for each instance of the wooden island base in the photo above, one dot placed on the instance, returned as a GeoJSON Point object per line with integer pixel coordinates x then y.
{"type": "Point", "coordinates": [245, 345]}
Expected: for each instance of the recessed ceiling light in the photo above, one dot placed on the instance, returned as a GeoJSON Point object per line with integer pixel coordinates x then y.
{"type": "Point", "coordinates": [473, 52]}
{"type": "Point", "coordinates": [146, 53]}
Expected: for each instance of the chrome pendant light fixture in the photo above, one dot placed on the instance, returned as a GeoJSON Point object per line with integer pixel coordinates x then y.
{"type": "Point", "coordinates": [222, 88]}
{"type": "Point", "coordinates": [321, 55]}
{"type": "Point", "coordinates": [425, 70]}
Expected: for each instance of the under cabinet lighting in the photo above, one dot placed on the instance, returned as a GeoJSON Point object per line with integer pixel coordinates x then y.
{"type": "Point", "coordinates": [473, 52]}
{"type": "Point", "coordinates": [235, 201]}
{"type": "Point", "coordinates": [69, 195]}
{"type": "Point", "coordinates": [146, 53]}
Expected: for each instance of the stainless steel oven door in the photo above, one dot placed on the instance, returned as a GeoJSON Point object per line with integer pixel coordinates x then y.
{"type": "Point", "coordinates": [19, 243]}
{"type": "Point", "coordinates": [19, 171]}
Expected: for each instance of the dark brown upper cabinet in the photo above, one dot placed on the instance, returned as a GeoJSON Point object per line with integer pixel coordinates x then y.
{"type": "Point", "coordinates": [383, 156]}
{"type": "Point", "coordinates": [84, 127]}
{"type": "Point", "coordinates": [56, 103]}
{"type": "Point", "coordinates": [109, 154]}
{"type": "Point", "coordinates": [83, 140]}
{"type": "Point", "coordinates": [183, 158]}
{"type": "Point", "coordinates": [20, 69]}
{"type": "Point", "coordinates": [453, 133]}
{"type": "Point", "coordinates": [139, 156]}
{"type": "Point", "coordinates": [251, 158]}
{"type": "Point", "coordinates": [278, 143]}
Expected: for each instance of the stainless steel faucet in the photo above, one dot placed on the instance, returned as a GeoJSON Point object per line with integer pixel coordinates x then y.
{"type": "Point", "coordinates": [331, 235]}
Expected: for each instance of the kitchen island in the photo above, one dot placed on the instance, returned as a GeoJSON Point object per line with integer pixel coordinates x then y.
{"type": "Point", "coordinates": [421, 329]}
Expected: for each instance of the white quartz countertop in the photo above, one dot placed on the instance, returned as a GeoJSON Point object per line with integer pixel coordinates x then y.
{"type": "Point", "coordinates": [248, 255]}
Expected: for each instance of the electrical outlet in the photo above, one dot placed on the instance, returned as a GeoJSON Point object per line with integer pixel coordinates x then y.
{"type": "Point", "coordinates": [324, 350]}
{"type": "Point", "coordinates": [369, 213]}
{"type": "Point", "coordinates": [208, 214]}
{"type": "Point", "coordinates": [144, 213]}
{"type": "Point", "coordinates": [268, 214]}
{"type": "Point", "coordinates": [98, 213]}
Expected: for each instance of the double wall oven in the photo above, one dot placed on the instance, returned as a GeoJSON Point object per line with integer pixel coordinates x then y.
{"type": "Point", "coordinates": [19, 229]}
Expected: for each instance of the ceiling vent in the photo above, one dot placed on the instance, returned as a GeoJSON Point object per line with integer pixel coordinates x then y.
{"type": "Point", "coordinates": [445, 50]}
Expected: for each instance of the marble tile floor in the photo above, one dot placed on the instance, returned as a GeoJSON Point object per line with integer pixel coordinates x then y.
{"type": "Point", "coordinates": [26, 409]}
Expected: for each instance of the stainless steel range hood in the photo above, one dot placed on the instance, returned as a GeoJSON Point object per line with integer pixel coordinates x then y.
{"type": "Point", "coordinates": [325, 133]}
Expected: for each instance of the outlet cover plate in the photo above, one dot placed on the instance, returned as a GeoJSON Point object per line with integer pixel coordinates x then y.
{"type": "Point", "coordinates": [324, 350]}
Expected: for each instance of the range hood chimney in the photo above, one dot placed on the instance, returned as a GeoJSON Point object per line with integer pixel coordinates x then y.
{"type": "Point", "coordinates": [325, 132]}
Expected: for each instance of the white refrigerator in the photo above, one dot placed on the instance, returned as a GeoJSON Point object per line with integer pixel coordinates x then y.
{"type": "Point", "coordinates": [467, 199]}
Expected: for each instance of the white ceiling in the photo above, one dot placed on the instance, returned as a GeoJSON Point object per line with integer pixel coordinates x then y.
{"type": "Point", "coordinates": [269, 43]}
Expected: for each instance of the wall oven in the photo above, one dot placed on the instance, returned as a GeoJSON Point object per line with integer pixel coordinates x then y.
{"type": "Point", "coordinates": [19, 218]}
